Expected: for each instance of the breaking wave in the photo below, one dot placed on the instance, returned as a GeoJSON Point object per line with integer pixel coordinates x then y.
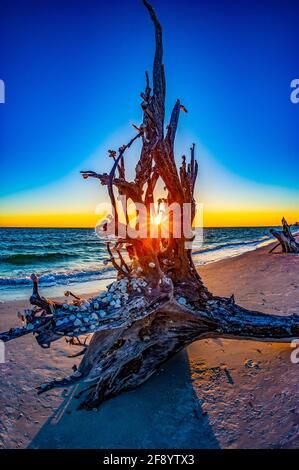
{"type": "Point", "coordinates": [61, 277]}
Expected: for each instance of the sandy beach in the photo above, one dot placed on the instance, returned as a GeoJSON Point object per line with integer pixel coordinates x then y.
{"type": "Point", "coordinates": [219, 393]}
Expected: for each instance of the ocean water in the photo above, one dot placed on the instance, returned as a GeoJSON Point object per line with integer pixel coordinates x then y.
{"type": "Point", "coordinates": [67, 258]}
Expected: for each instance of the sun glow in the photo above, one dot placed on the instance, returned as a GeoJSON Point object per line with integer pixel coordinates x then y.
{"type": "Point", "coordinates": [158, 219]}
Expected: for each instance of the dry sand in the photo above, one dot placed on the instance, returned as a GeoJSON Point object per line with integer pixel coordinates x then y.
{"type": "Point", "coordinates": [219, 393]}
{"type": "Point", "coordinates": [258, 406]}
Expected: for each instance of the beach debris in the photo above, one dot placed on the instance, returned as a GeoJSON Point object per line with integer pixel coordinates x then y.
{"type": "Point", "coordinates": [250, 364]}
{"type": "Point", "coordinates": [285, 238]}
{"type": "Point", "coordinates": [68, 293]}
{"type": "Point", "coordinates": [228, 375]}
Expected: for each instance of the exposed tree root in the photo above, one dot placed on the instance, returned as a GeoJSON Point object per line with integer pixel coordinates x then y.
{"type": "Point", "coordinates": [131, 342]}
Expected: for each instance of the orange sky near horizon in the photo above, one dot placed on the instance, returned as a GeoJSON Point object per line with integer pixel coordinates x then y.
{"type": "Point", "coordinates": [212, 218]}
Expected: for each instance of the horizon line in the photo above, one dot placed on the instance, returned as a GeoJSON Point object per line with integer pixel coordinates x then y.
{"type": "Point", "coordinates": [92, 227]}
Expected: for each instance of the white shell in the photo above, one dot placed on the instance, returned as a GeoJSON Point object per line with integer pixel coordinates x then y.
{"type": "Point", "coordinates": [76, 374]}
{"type": "Point", "coordinates": [151, 265]}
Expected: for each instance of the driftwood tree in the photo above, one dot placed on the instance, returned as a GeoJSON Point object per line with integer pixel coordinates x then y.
{"type": "Point", "coordinates": [158, 304]}
{"type": "Point", "coordinates": [286, 239]}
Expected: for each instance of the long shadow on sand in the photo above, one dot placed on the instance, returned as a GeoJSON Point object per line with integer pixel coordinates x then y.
{"type": "Point", "coordinates": [162, 413]}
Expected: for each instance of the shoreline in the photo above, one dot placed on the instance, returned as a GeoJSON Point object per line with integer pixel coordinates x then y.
{"type": "Point", "coordinates": [23, 291]}
{"type": "Point", "coordinates": [258, 378]}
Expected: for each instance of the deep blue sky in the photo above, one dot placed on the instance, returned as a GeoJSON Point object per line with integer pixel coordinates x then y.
{"type": "Point", "coordinates": [73, 72]}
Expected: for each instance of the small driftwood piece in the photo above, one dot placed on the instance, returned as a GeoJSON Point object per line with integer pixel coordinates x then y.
{"type": "Point", "coordinates": [286, 239]}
